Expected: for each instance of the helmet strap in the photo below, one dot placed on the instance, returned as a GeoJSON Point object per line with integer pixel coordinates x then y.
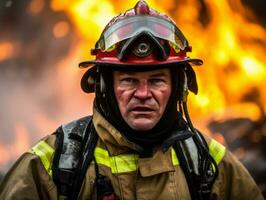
{"type": "Point", "coordinates": [185, 86]}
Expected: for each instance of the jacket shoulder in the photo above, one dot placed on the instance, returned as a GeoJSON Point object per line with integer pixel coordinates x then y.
{"type": "Point", "coordinates": [27, 179]}
{"type": "Point", "coordinates": [234, 180]}
{"type": "Point", "coordinates": [76, 126]}
{"type": "Point", "coordinates": [48, 146]}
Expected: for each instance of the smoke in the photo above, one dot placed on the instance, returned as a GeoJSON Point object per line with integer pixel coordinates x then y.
{"type": "Point", "coordinates": [39, 77]}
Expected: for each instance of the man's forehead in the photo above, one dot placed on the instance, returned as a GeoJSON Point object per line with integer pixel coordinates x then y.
{"type": "Point", "coordinates": [154, 72]}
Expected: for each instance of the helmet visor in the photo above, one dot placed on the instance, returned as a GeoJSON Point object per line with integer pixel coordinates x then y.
{"type": "Point", "coordinates": [134, 25]}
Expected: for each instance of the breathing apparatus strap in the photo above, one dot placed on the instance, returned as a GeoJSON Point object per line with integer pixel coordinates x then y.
{"type": "Point", "coordinates": [199, 167]}
{"type": "Point", "coordinates": [75, 145]}
{"type": "Point", "coordinates": [199, 180]}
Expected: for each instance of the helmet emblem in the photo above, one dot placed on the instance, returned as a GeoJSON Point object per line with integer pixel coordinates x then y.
{"type": "Point", "coordinates": [143, 49]}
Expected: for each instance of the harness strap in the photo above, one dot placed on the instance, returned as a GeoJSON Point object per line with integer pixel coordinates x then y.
{"type": "Point", "coordinates": [124, 163]}
{"type": "Point", "coordinates": [69, 164]}
{"type": "Point", "coordinates": [198, 165]}
{"type": "Point", "coordinates": [70, 173]}
{"type": "Point", "coordinates": [86, 158]}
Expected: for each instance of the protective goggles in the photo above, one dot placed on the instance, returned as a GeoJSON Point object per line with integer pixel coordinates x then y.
{"type": "Point", "coordinates": [133, 25]}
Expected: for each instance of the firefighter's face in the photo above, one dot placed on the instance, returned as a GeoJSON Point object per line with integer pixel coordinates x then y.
{"type": "Point", "coordinates": [142, 96]}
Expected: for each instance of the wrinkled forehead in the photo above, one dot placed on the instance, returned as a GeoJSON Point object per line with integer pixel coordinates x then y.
{"type": "Point", "coordinates": [139, 68]}
{"type": "Point", "coordinates": [147, 73]}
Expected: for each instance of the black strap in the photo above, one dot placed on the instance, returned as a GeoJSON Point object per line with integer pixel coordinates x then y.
{"type": "Point", "coordinates": [174, 137]}
{"type": "Point", "coordinates": [186, 167]}
{"type": "Point", "coordinates": [199, 181]}
{"type": "Point", "coordinates": [75, 145]}
{"type": "Point", "coordinates": [86, 159]}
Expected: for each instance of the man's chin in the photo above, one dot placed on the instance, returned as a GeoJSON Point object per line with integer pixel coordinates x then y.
{"type": "Point", "coordinates": [142, 124]}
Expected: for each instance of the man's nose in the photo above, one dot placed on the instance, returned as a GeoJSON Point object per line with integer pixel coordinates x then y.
{"type": "Point", "coordinates": [143, 90]}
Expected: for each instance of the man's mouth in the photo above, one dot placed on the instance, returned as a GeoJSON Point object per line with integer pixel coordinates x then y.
{"type": "Point", "coordinates": [142, 109]}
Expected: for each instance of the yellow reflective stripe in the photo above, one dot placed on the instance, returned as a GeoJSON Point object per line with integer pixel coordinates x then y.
{"type": "Point", "coordinates": [102, 157]}
{"type": "Point", "coordinates": [118, 164]}
{"type": "Point", "coordinates": [45, 152]}
{"type": "Point", "coordinates": [175, 160]}
{"type": "Point", "coordinates": [216, 150]}
{"type": "Point", "coordinates": [122, 163]}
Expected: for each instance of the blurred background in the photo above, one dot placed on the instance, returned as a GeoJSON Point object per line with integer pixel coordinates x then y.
{"type": "Point", "coordinates": [42, 42]}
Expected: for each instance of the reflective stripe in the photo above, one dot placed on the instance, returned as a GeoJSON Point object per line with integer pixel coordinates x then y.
{"type": "Point", "coordinates": [118, 164]}
{"type": "Point", "coordinates": [217, 150]}
{"type": "Point", "coordinates": [45, 152]}
{"type": "Point", "coordinates": [175, 160]}
{"type": "Point", "coordinates": [128, 162]}
{"type": "Point", "coordinates": [122, 163]}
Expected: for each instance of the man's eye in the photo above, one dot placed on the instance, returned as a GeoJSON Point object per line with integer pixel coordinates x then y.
{"type": "Point", "coordinates": [129, 81]}
{"type": "Point", "coordinates": [156, 81]}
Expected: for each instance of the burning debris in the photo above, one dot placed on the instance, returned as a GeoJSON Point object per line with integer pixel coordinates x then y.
{"type": "Point", "coordinates": [41, 43]}
{"type": "Point", "coordinates": [246, 137]}
{"type": "Point", "coordinates": [247, 140]}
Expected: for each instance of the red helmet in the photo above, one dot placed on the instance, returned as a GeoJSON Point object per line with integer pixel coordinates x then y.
{"type": "Point", "coordinates": [111, 48]}
{"type": "Point", "coordinates": [139, 38]}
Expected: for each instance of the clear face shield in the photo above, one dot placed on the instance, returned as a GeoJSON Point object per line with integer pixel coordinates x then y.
{"type": "Point", "coordinates": [131, 26]}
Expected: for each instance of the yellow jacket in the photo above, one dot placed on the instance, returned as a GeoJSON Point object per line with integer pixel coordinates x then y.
{"type": "Point", "coordinates": [132, 177]}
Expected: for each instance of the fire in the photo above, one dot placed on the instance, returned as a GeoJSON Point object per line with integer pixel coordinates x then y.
{"type": "Point", "coordinates": [89, 17]}
{"type": "Point", "coordinates": [223, 33]}
{"type": "Point", "coordinates": [67, 74]}
{"type": "Point", "coordinates": [35, 7]}
{"type": "Point", "coordinates": [6, 50]}
{"type": "Point", "coordinates": [61, 29]}
{"type": "Point", "coordinates": [20, 143]}
{"type": "Point", "coordinates": [234, 58]}
{"type": "Point", "coordinates": [229, 45]}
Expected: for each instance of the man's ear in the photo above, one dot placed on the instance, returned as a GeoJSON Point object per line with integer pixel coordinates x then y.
{"type": "Point", "coordinates": [192, 80]}
{"type": "Point", "coordinates": [88, 80]}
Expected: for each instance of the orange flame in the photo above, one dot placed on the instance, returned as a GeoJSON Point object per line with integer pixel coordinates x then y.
{"type": "Point", "coordinates": [229, 45]}
{"type": "Point", "coordinates": [234, 58]}
{"type": "Point", "coordinates": [6, 50]}
{"type": "Point", "coordinates": [230, 42]}
{"type": "Point", "coordinates": [19, 144]}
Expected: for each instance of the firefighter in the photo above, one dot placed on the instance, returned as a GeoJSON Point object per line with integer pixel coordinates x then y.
{"type": "Point", "coordinates": [140, 142]}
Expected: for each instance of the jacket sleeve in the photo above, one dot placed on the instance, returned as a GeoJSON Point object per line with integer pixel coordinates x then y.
{"type": "Point", "coordinates": [28, 179]}
{"type": "Point", "coordinates": [234, 181]}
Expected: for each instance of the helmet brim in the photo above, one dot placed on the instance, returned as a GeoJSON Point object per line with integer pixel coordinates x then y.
{"type": "Point", "coordinates": [120, 64]}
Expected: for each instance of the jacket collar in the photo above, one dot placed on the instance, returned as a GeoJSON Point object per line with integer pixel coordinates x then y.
{"type": "Point", "coordinates": [111, 137]}
{"type": "Point", "coordinates": [116, 144]}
